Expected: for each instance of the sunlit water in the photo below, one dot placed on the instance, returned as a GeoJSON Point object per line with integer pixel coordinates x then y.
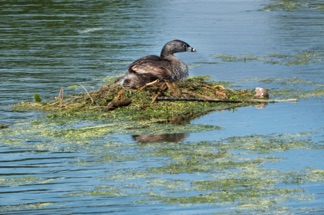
{"type": "Point", "coordinates": [46, 46]}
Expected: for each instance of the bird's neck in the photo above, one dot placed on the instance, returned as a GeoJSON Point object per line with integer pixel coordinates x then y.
{"type": "Point", "coordinates": [165, 53]}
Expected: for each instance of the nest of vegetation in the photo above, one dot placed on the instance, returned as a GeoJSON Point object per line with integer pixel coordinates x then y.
{"type": "Point", "coordinates": [159, 101]}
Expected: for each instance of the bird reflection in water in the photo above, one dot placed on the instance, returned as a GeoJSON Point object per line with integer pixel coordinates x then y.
{"type": "Point", "coordinates": [158, 138]}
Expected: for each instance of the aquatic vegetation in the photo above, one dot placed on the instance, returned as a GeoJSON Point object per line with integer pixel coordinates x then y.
{"type": "Point", "coordinates": [286, 5]}
{"type": "Point", "coordinates": [227, 172]}
{"type": "Point", "coordinates": [263, 145]}
{"type": "Point", "coordinates": [101, 191]}
{"type": "Point", "coordinates": [290, 81]}
{"type": "Point", "coordinates": [222, 172]}
{"type": "Point", "coordinates": [160, 102]}
{"type": "Point", "coordinates": [312, 175]}
{"type": "Point", "coordinates": [218, 173]}
{"type": "Point", "coordinates": [18, 181]}
{"type": "Point", "coordinates": [106, 154]}
{"type": "Point", "coordinates": [292, 5]}
{"type": "Point", "coordinates": [27, 206]}
{"type": "Point", "coordinates": [37, 98]}
{"type": "Point", "coordinates": [283, 88]}
{"type": "Point", "coordinates": [49, 132]}
{"type": "Point", "coordinates": [302, 58]}
{"type": "Point", "coordinates": [285, 93]}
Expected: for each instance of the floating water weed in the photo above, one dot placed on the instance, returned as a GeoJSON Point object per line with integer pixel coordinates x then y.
{"type": "Point", "coordinates": [303, 58]}
{"type": "Point", "coordinates": [18, 181]}
{"type": "Point", "coordinates": [198, 173]}
{"type": "Point", "coordinates": [286, 5]}
{"type": "Point", "coordinates": [115, 102]}
{"type": "Point", "coordinates": [26, 206]}
{"type": "Point", "coordinates": [103, 190]}
{"type": "Point", "coordinates": [37, 98]}
{"type": "Point", "coordinates": [292, 5]}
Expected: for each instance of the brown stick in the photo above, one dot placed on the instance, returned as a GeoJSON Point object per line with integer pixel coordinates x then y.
{"type": "Point", "coordinates": [155, 97]}
{"type": "Point", "coordinates": [117, 104]}
{"type": "Point", "coordinates": [60, 96]}
{"type": "Point", "coordinates": [87, 93]}
{"type": "Point", "coordinates": [203, 97]}
{"type": "Point", "coordinates": [223, 100]}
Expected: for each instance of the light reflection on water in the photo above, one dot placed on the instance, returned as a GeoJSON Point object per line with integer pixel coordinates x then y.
{"type": "Point", "coordinates": [61, 44]}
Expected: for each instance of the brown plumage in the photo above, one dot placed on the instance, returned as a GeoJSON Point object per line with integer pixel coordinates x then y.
{"type": "Point", "coordinates": [163, 67]}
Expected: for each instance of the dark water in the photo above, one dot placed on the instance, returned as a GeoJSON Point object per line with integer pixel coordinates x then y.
{"type": "Point", "coordinates": [273, 154]}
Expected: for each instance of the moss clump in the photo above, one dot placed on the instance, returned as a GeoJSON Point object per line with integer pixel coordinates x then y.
{"type": "Point", "coordinates": [145, 103]}
{"type": "Point", "coordinates": [37, 98]}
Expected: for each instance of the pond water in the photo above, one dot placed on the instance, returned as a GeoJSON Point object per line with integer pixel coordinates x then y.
{"type": "Point", "coordinates": [251, 160]}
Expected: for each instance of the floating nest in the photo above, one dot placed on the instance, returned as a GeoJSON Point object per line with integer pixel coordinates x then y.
{"type": "Point", "coordinates": [158, 101]}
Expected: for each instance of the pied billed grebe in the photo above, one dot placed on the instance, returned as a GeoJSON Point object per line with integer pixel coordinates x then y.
{"type": "Point", "coordinates": [152, 67]}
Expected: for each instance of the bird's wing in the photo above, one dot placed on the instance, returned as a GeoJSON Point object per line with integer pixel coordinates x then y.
{"type": "Point", "coordinates": [152, 66]}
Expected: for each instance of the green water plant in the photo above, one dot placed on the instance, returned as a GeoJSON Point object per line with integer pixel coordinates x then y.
{"type": "Point", "coordinates": [37, 98]}
{"type": "Point", "coordinates": [159, 102]}
{"type": "Point", "coordinates": [303, 58]}
{"type": "Point", "coordinates": [292, 5]}
{"type": "Point", "coordinates": [286, 5]}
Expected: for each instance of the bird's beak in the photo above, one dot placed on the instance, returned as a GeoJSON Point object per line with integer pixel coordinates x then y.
{"type": "Point", "coordinates": [190, 49]}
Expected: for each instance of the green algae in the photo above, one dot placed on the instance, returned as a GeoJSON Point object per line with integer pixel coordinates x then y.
{"type": "Point", "coordinates": [298, 94]}
{"type": "Point", "coordinates": [206, 156]}
{"type": "Point", "coordinates": [227, 196]}
{"type": "Point", "coordinates": [113, 102]}
{"type": "Point", "coordinates": [174, 185]}
{"type": "Point", "coordinates": [201, 158]}
{"type": "Point", "coordinates": [51, 134]}
{"type": "Point", "coordinates": [252, 189]}
{"type": "Point", "coordinates": [67, 119]}
{"type": "Point", "coordinates": [226, 184]}
{"type": "Point", "coordinates": [227, 172]}
{"type": "Point", "coordinates": [18, 181]}
{"type": "Point", "coordinates": [222, 175]}
{"type": "Point", "coordinates": [285, 5]}
{"type": "Point", "coordinates": [108, 157]}
{"type": "Point", "coordinates": [266, 144]}
{"type": "Point", "coordinates": [292, 5]}
{"type": "Point", "coordinates": [37, 98]}
{"type": "Point", "coordinates": [303, 58]}
{"type": "Point", "coordinates": [291, 81]}
{"type": "Point", "coordinates": [224, 172]}
{"type": "Point", "coordinates": [285, 88]}
{"type": "Point", "coordinates": [103, 190]}
{"type": "Point", "coordinates": [235, 180]}
{"type": "Point", "coordinates": [312, 175]}
{"type": "Point", "coordinates": [27, 206]}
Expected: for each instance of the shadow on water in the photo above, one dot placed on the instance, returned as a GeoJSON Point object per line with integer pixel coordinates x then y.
{"type": "Point", "coordinates": [151, 138]}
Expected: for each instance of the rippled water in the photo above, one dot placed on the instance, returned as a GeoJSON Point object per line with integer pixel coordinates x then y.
{"type": "Point", "coordinates": [266, 160]}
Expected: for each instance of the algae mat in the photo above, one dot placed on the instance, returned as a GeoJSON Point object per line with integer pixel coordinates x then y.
{"type": "Point", "coordinates": [157, 102]}
{"type": "Point", "coordinates": [214, 174]}
{"type": "Point", "coordinates": [231, 173]}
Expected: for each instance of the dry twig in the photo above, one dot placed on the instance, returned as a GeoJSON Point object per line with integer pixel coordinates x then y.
{"type": "Point", "coordinates": [223, 100]}
{"type": "Point", "coordinates": [87, 93]}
